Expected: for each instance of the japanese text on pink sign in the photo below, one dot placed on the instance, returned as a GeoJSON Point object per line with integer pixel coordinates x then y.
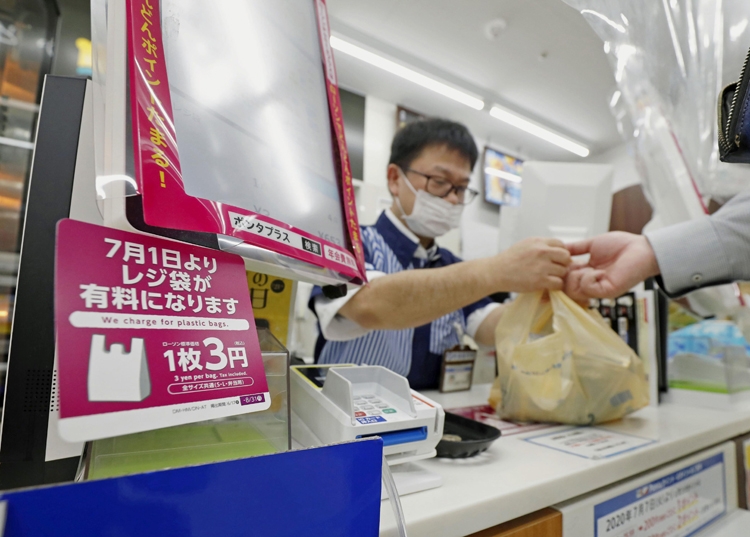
{"type": "Point", "coordinates": [147, 323]}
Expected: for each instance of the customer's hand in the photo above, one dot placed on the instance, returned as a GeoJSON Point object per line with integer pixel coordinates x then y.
{"type": "Point", "coordinates": [532, 265]}
{"type": "Point", "coordinates": [617, 262]}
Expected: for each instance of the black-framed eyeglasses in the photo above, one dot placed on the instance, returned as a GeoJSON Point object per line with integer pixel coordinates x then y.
{"type": "Point", "coordinates": [441, 187]}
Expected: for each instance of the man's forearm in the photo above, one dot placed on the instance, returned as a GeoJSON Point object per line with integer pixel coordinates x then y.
{"type": "Point", "coordinates": [416, 297]}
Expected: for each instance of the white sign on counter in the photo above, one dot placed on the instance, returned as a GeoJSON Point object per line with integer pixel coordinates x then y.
{"type": "Point", "coordinates": [590, 442]}
{"type": "Point", "coordinates": [676, 505]}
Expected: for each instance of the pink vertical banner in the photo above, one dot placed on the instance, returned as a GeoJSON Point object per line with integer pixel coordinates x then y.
{"type": "Point", "coordinates": [156, 141]}
{"type": "Point", "coordinates": [337, 120]}
{"type": "Point", "coordinates": [151, 333]}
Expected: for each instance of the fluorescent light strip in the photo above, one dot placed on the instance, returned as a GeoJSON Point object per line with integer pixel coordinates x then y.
{"type": "Point", "coordinates": [503, 174]}
{"type": "Point", "coordinates": [538, 131]}
{"type": "Point", "coordinates": [404, 72]}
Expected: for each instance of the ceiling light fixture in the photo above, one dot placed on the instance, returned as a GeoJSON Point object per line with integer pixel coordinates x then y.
{"type": "Point", "coordinates": [406, 73]}
{"type": "Point", "coordinates": [537, 130]}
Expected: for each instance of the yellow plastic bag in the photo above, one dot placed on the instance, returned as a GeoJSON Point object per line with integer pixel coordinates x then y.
{"type": "Point", "coordinates": [559, 363]}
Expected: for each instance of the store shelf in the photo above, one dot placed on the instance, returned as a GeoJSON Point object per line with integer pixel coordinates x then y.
{"type": "Point", "coordinates": [19, 105]}
{"type": "Point", "coordinates": [9, 262]}
{"type": "Point", "coordinates": [16, 143]}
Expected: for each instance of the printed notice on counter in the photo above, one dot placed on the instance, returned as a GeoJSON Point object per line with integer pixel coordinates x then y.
{"type": "Point", "coordinates": [677, 505]}
{"type": "Point", "coordinates": [590, 442]}
{"type": "Point", "coordinates": [151, 333]}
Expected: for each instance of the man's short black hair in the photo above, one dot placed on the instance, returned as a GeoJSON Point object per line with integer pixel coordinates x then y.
{"type": "Point", "coordinates": [411, 140]}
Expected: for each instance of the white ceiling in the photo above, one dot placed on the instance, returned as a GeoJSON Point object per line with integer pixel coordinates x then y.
{"type": "Point", "coordinates": [568, 90]}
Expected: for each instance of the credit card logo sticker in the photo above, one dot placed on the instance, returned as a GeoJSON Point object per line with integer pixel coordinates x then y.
{"type": "Point", "coordinates": [370, 419]}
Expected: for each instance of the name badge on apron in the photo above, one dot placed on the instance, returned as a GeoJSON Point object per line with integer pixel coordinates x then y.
{"type": "Point", "coordinates": [457, 369]}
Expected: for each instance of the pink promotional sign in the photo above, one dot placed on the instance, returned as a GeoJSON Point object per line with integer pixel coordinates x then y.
{"type": "Point", "coordinates": [157, 163]}
{"type": "Point", "coordinates": [151, 333]}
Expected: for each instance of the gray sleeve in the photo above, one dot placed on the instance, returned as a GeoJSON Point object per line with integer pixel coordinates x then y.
{"type": "Point", "coordinates": [710, 250]}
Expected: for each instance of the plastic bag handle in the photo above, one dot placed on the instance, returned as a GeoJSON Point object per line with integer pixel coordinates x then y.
{"type": "Point", "coordinates": [542, 320]}
{"type": "Point", "coordinates": [531, 302]}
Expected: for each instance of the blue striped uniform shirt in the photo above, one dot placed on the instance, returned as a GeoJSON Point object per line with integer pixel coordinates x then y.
{"type": "Point", "coordinates": [417, 352]}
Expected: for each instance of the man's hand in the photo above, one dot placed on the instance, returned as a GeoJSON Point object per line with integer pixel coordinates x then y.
{"type": "Point", "coordinates": [618, 261]}
{"type": "Point", "coordinates": [532, 265]}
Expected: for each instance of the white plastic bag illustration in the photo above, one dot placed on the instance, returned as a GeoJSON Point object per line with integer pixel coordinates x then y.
{"type": "Point", "coordinates": [115, 375]}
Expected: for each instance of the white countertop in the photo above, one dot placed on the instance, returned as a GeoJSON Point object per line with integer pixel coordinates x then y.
{"type": "Point", "coordinates": [514, 477]}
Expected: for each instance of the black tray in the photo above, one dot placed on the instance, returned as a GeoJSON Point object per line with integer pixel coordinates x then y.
{"type": "Point", "coordinates": [476, 437]}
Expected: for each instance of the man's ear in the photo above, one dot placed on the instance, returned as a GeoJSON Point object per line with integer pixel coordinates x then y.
{"type": "Point", "coordinates": [393, 173]}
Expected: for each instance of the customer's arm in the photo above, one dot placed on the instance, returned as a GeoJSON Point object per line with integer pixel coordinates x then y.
{"type": "Point", "coordinates": [705, 251]}
{"type": "Point", "coordinates": [416, 297]}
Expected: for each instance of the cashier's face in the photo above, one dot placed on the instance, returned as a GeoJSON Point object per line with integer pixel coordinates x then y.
{"type": "Point", "coordinates": [438, 162]}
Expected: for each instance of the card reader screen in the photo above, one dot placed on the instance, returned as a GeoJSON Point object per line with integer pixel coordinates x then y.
{"type": "Point", "coordinates": [316, 375]}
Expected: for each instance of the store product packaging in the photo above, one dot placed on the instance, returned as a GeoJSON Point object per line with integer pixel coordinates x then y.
{"type": "Point", "coordinates": [560, 363]}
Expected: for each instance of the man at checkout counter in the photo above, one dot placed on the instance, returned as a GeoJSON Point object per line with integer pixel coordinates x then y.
{"type": "Point", "coordinates": [406, 317]}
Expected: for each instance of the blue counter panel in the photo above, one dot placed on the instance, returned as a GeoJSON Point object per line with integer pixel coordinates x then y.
{"type": "Point", "coordinates": [331, 491]}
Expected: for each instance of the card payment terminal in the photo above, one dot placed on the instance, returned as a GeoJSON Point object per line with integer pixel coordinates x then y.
{"type": "Point", "coordinates": [335, 403]}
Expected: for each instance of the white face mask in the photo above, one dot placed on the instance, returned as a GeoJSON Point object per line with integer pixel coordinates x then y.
{"type": "Point", "coordinates": [431, 216]}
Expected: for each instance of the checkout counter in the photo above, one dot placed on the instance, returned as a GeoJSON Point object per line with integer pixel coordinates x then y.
{"type": "Point", "coordinates": [524, 488]}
